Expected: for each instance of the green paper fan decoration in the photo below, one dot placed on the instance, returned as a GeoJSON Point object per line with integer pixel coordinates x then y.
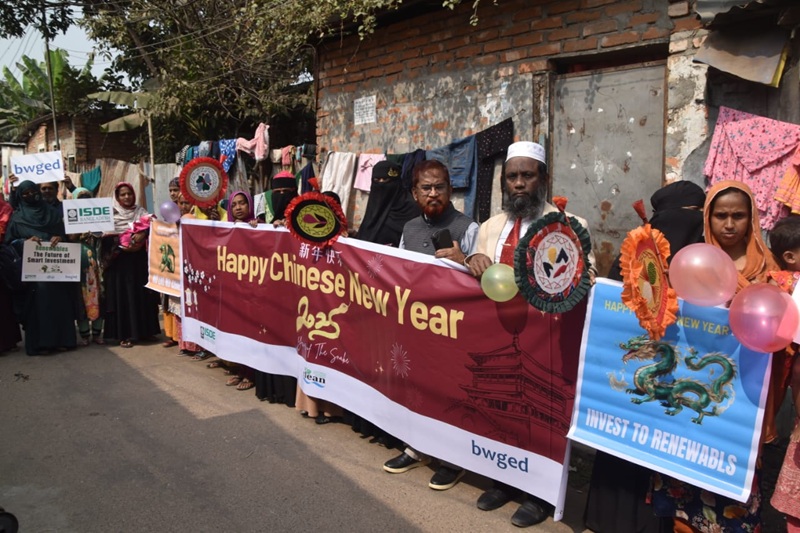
{"type": "Point", "coordinates": [551, 265]}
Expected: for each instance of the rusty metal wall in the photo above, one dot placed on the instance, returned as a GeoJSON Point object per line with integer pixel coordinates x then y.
{"type": "Point", "coordinates": [608, 148]}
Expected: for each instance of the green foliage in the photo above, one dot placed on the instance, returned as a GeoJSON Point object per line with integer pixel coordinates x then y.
{"type": "Point", "coordinates": [240, 57]}
{"type": "Point", "coordinates": [26, 99]}
{"type": "Point", "coordinates": [17, 15]}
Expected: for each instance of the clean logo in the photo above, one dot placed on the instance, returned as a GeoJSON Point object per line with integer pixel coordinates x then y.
{"type": "Point", "coordinates": [72, 215]}
{"type": "Point", "coordinates": [313, 377]}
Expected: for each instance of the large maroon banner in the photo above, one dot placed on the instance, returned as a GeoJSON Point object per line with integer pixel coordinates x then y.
{"type": "Point", "coordinates": [402, 339]}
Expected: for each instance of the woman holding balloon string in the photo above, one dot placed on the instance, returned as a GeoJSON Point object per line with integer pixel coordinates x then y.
{"type": "Point", "coordinates": [731, 224]}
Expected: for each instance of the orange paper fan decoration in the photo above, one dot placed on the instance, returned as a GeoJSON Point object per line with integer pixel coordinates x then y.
{"type": "Point", "coordinates": [646, 290]}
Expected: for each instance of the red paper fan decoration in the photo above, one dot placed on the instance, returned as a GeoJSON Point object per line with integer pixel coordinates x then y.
{"type": "Point", "coordinates": [203, 181]}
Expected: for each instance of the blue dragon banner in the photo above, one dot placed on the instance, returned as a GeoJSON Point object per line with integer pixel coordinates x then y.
{"type": "Point", "coordinates": [689, 405]}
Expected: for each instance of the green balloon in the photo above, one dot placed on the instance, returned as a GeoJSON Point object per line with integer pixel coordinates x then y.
{"type": "Point", "coordinates": [498, 283]}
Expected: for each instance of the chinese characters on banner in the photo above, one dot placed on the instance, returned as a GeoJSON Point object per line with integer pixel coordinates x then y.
{"type": "Point", "coordinates": [396, 337]}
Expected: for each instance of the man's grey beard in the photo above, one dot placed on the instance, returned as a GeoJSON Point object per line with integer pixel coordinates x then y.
{"type": "Point", "coordinates": [524, 206]}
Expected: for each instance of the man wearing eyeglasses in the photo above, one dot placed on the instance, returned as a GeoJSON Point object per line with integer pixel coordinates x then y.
{"type": "Point", "coordinates": [443, 232]}
{"type": "Point", "coordinates": [431, 189]}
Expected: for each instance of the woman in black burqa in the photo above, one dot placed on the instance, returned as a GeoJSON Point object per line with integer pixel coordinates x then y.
{"type": "Point", "coordinates": [618, 490]}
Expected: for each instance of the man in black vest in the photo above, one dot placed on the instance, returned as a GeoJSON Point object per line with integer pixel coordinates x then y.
{"type": "Point", "coordinates": [424, 234]}
{"type": "Point", "coordinates": [431, 189]}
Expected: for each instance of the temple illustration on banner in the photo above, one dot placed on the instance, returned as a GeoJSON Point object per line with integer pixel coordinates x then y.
{"type": "Point", "coordinates": [516, 396]}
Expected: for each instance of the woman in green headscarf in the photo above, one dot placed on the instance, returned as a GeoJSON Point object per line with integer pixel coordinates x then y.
{"type": "Point", "coordinates": [48, 308]}
{"type": "Point", "coordinates": [90, 321]}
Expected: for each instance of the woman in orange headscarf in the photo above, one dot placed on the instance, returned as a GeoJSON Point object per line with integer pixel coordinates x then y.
{"type": "Point", "coordinates": [731, 224]}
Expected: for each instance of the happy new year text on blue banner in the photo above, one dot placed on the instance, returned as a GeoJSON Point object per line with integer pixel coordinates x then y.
{"type": "Point", "coordinates": [689, 405]}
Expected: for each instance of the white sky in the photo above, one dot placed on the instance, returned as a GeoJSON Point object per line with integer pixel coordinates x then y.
{"type": "Point", "coordinates": [75, 42]}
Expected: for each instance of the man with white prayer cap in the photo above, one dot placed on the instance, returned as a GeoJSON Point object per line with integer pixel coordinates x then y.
{"type": "Point", "coordinates": [525, 186]}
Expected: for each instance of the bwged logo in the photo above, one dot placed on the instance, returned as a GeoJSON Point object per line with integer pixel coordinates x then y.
{"type": "Point", "coordinates": [312, 377]}
{"type": "Point", "coordinates": [72, 215]}
{"type": "Point", "coordinates": [208, 334]}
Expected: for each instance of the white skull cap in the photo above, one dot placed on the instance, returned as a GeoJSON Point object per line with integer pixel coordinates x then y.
{"type": "Point", "coordinates": [527, 149]}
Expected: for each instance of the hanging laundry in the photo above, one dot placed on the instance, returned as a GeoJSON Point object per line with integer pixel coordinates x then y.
{"type": "Point", "coordinates": [180, 157]}
{"type": "Point", "coordinates": [227, 148]}
{"type": "Point", "coordinates": [410, 160]}
{"type": "Point", "coordinates": [789, 188]}
{"type": "Point", "coordinates": [490, 144]}
{"type": "Point", "coordinates": [364, 170]}
{"type": "Point", "coordinates": [91, 179]}
{"type": "Point", "coordinates": [337, 176]}
{"type": "Point", "coordinates": [754, 150]}
{"type": "Point", "coordinates": [287, 156]}
{"type": "Point", "coordinates": [258, 146]}
{"type": "Point", "coordinates": [459, 158]}
{"type": "Point", "coordinates": [304, 175]}
{"type": "Point", "coordinates": [204, 149]}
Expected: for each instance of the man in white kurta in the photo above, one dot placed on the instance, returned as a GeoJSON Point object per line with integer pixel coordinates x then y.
{"type": "Point", "coordinates": [525, 186]}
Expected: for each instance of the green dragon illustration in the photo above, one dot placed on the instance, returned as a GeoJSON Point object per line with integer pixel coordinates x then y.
{"type": "Point", "coordinates": [683, 392]}
{"type": "Point", "coordinates": [167, 258]}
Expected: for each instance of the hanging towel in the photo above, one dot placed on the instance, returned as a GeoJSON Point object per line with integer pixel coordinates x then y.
{"type": "Point", "coordinates": [258, 146]}
{"type": "Point", "coordinates": [364, 170]}
{"type": "Point", "coordinates": [754, 150]}
{"type": "Point", "coordinates": [287, 155]}
{"type": "Point", "coordinates": [338, 175]}
{"type": "Point", "coordinates": [91, 179]}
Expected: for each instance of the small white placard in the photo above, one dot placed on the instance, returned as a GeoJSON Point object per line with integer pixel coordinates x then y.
{"type": "Point", "coordinates": [364, 110]}
{"type": "Point", "coordinates": [42, 167]}
{"type": "Point", "coordinates": [89, 214]}
{"type": "Point", "coordinates": [42, 262]}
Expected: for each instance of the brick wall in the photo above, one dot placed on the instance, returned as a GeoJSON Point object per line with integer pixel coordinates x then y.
{"type": "Point", "coordinates": [81, 137]}
{"type": "Point", "coordinates": [438, 78]}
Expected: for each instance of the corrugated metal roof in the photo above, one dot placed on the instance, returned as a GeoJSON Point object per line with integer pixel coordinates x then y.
{"type": "Point", "coordinates": [709, 9]}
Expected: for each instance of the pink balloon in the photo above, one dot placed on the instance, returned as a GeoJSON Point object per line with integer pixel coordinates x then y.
{"type": "Point", "coordinates": [170, 212]}
{"type": "Point", "coordinates": [764, 318]}
{"type": "Point", "coordinates": [703, 274]}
